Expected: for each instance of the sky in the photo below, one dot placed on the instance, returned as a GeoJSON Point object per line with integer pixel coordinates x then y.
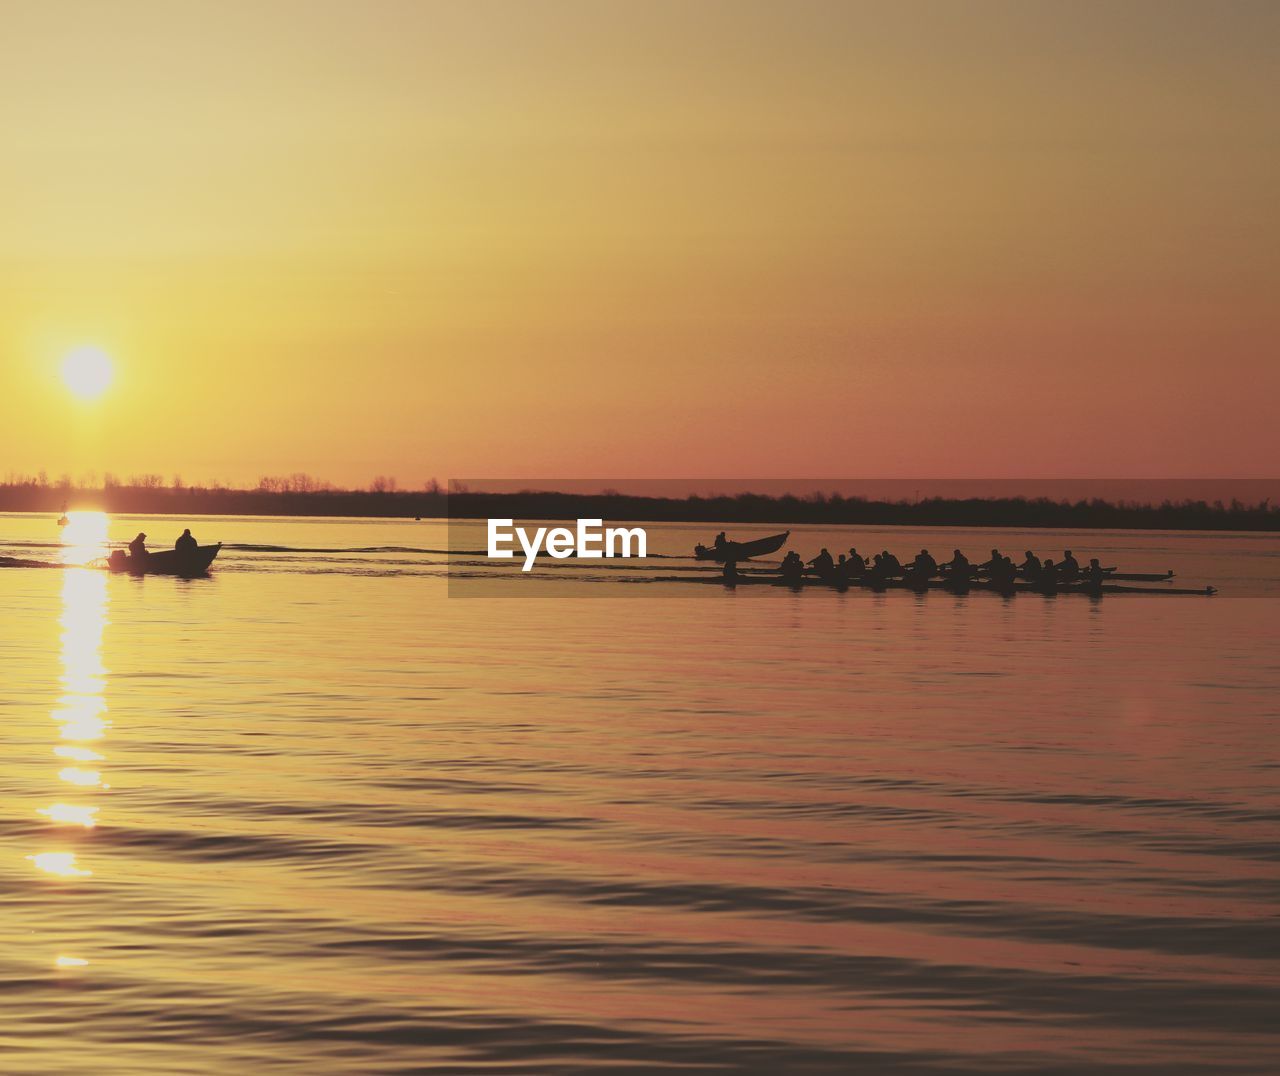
{"type": "Point", "coordinates": [606, 239]}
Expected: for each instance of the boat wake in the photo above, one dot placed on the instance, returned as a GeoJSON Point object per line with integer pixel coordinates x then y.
{"type": "Point", "coordinates": [251, 548]}
{"type": "Point", "coordinates": [22, 562]}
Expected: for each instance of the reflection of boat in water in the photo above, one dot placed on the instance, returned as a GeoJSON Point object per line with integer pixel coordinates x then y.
{"type": "Point", "coordinates": [953, 586]}
{"type": "Point", "coordinates": [736, 551]}
{"type": "Point", "coordinates": [165, 561]}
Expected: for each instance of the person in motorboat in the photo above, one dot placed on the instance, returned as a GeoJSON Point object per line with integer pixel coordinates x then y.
{"type": "Point", "coordinates": [186, 543]}
{"type": "Point", "coordinates": [138, 547]}
{"type": "Point", "coordinates": [720, 541]}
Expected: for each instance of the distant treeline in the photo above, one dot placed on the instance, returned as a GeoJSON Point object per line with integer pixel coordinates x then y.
{"type": "Point", "coordinates": [384, 500]}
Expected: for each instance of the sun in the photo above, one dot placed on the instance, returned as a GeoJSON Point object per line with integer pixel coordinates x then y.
{"type": "Point", "coordinates": [87, 372]}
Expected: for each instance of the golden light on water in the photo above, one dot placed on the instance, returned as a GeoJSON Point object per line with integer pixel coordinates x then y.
{"type": "Point", "coordinates": [87, 372]}
{"type": "Point", "coordinates": [80, 711]}
{"type": "Point", "coordinates": [70, 815]}
{"type": "Point", "coordinates": [77, 754]}
{"type": "Point", "coordinates": [84, 538]}
{"type": "Point", "coordinates": [82, 726]}
{"type": "Point", "coordinates": [74, 775]}
{"type": "Point", "coordinates": [62, 864]}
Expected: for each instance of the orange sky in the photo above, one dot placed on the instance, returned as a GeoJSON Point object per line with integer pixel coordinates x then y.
{"type": "Point", "coordinates": [641, 240]}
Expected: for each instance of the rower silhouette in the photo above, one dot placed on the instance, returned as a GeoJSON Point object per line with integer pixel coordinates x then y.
{"type": "Point", "coordinates": [823, 564]}
{"type": "Point", "coordinates": [792, 568]}
{"type": "Point", "coordinates": [958, 567]}
{"type": "Point", "coordinates": [924, 567]}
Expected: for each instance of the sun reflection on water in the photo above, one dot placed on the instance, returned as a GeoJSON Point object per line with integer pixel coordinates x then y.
{"type": "Point", "coordinates": [81, 709]}
{"type": "Point", "coordinates": [62, 864]}
{"type": "Point", "coordinates": [84, 538]}
{"type": "Point", "coordinates": [71, 815]}
{"type": "Point", "coordinates": [76, 775]}
{"type": "Point", "coordinates": [77, 754]}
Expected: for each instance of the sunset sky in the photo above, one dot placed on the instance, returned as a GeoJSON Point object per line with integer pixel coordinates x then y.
{"type": "Point", "coordinates": [594, 239]}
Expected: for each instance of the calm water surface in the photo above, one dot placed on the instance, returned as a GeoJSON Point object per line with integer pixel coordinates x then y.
{"type": "Point", "coordinates": [311, 815]}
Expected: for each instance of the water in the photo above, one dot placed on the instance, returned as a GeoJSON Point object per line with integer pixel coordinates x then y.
{"type": "Point", "coordinates": [343, 823]}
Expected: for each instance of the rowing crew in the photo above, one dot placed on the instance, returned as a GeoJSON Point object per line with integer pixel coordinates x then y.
{"type": "Point", "coordinates": [1000, 570]}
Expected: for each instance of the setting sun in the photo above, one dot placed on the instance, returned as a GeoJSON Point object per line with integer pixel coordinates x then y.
{"type": "Point", "coordinates": [87, 372]}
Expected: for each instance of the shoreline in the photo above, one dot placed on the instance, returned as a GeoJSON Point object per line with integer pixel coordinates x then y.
{"type": "Point", "coordinates": [1014, 513]}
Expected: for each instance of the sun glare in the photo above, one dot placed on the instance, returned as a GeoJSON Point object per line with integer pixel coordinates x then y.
{"type": "Point", "coordinates": [87, 372]}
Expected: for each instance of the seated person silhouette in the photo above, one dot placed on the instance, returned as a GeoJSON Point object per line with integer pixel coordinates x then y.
{"type": "Point", "coordinates": [822, 564]}
{"type": "Point", "coordinates": [186, 543]}
{"type": "Point", "coordinates": [138, 547]}
{"type": "Point", "coordinates": [792, 567]}
{"type": "Point", "coordinates": [923, 568]}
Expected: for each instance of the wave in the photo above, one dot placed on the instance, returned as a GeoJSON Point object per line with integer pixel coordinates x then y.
{"type": "Point", "coordinates": [247, 547]}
